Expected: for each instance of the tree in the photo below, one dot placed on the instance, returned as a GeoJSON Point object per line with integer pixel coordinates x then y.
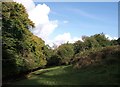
{"type": "Point", "coordinates": [118, 40]}
{"type": "Point", "coordinates": [102, 40]}
{"type": "Point", "coordinates": [47, 51]}
{"type": "Point", "coordinates": [78, 46]}
{"type": "Point", "coordinates": [21, 50]}
{"type": "Point", "coordinates": [54, 60]}
{"type": "Point", "coordinates": [51, 57]}
{"type": "Point", "coordinates": [65, 52]}
{"type": "Point", "coordinates": [90, 42]}
{"type": "Point", "coordinates": [114, 42]}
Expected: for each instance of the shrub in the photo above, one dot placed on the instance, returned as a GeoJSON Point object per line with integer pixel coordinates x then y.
{"type": "Point", "coordinates": [106, 55]}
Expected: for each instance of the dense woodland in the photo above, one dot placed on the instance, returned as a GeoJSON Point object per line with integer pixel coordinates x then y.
{"type": "Point", "coordinates": [22, 51]}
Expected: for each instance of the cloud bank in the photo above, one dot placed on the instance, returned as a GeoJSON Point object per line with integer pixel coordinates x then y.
{"type": "Point", "coordinates": [63, 38]}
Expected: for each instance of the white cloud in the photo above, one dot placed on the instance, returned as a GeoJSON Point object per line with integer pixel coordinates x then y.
{"type": "Point", "coordinates": [44, 30]}
{"type": "Point", "coordinates": [63, 38]}
{"type": "Point", "coordinates": [110, 38]}
{"type": "Point", "coordinates": [28, 4]}
{"type": "Point", "coordinates": [39, 15]}
{"type": "Point", "coordinates": [115, 38]}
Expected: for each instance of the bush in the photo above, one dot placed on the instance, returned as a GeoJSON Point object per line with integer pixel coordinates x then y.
{"type": "Point", "coordinates": [65, 52]}
{"type": "Point", "coordinates": [53, 61]}
{"type": "Point", "coordinates": [106, 55]}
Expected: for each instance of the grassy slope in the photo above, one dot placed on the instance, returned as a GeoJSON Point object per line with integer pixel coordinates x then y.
{"type": "Point", "coordinates": [66, 75]}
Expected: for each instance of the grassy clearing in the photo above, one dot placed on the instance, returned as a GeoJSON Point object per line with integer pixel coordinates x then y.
{"type": "Point", "coordinates": [66, 75]}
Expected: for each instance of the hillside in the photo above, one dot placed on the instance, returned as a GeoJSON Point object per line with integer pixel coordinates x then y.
{"type": "Point", "coordinates": [103, 73]}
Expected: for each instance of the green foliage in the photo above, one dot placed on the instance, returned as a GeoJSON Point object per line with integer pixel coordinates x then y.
{"type": "Point", "coordinates": [22, 50]}
{"type": "Point", "coordinates": [78, 46]}
{"type": "Point", "coordinates": [102, 40]}
{"type": "Point", "coordinates": [65, 52]}
{"type": "Point", "coordinates": [95, 41]}
{"type": "Point", "coordinates": [51, 56]}
{"type": "Point", "coordinates": [114, 42]}
{"type": "Point", "coordinates": [48, 51]}
{"type": "Point", "coordinates": [90, 42]}
{"type": "Point", "coordinates": [54, 60]}
{"type": "Point", "coordinates": [118, 40]}
{"type": "Point", "coordinates": [106, 55]}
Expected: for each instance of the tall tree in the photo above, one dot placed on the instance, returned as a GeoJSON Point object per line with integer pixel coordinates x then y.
{"type": "Point", "coordinates": [21, 49]}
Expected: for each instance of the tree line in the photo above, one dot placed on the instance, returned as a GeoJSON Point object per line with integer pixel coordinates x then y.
{"type": "Point", "coordinates": [67, 52]}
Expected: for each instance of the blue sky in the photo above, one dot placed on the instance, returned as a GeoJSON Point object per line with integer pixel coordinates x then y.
{"type": "Point", "coordinates": [60, 22]}
{"type": "Point", "coordinates": [84, 18]}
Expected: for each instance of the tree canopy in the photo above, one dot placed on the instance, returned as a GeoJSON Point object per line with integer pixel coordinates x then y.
{"type": "Point", "coordinates": [21, 49]}
{"type": "Point", "coordinates": [65, 52]}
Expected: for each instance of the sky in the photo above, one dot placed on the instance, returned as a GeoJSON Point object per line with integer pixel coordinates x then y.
{"type": "Point", "coordinates": [60, 22]}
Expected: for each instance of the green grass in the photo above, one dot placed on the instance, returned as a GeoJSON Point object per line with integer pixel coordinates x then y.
{"type": "Point", "coordinates": [66, 75]}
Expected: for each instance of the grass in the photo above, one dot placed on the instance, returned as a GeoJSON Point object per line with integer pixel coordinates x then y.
{"type": "Point", "coordinates": [67, 75]}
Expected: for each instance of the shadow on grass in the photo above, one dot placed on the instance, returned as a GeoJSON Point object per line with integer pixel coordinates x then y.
{"type": "Point", "coordinates": [66, 75]}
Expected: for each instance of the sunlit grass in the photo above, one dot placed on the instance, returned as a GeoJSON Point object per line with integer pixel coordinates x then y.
{"type": "Point", "coordinates": [66, 75]}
